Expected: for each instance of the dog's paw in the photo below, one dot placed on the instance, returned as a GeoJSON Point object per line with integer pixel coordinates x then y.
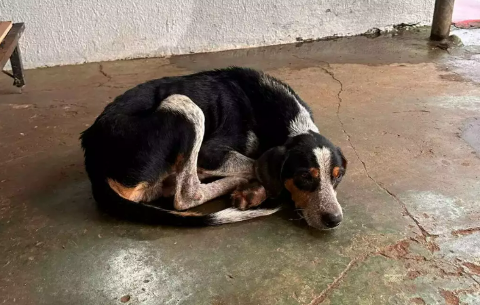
{"type": "Point", "coordinates": [248, 196]}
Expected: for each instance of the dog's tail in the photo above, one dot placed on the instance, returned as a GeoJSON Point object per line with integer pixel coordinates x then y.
{"type": "Point", "coordinates": [110, 202]}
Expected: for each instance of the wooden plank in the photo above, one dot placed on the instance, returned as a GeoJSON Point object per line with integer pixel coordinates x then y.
{"type": "Point", "coordinates": [8, 45]}
{"type": "Point", "coordinates": [5, 26]}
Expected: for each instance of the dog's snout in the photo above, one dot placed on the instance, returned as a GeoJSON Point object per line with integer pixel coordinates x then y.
{"type": "Point", "coordinates": [331, 220]}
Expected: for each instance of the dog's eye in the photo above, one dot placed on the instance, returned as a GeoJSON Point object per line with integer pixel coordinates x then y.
{"type": "Point", "coordinates": [305, 181]}
{"type": "Point", "coordinates": [306, 175]}
{"type": "Point", "coordinates": [303, 177]}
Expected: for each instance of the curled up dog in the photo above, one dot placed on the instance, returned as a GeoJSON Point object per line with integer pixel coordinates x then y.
{"type": "Point", "coordinates": [248, 130]}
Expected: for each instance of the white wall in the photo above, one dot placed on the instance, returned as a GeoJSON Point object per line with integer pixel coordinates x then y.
{"type": "Point", "coordinates": [62, 32]}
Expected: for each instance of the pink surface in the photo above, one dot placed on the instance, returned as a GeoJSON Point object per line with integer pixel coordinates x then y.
{"type": "Point", "coordinates": [466, 10]}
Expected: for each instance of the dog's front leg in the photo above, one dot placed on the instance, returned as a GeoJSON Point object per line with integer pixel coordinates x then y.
{"type": "Point", "coordinates": [235, 164]}
{"type": "Point", "coordinates": [249, 195]}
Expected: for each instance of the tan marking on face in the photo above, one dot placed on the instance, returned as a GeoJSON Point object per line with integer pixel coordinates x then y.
{"type": "Point", "coordinates": [298, 196]}
{"type": "Point", "coordinates": [135, 193]}
{"type": "Point", "coordinates": [315, 172]}
{"type": "Point", "coordinates": [336, 172]}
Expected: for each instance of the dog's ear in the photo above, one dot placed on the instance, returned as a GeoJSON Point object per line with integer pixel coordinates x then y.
{"type": "Point", "coordinates": [344, 161]}
{"type": "Point", "coordinates": [268, 169]}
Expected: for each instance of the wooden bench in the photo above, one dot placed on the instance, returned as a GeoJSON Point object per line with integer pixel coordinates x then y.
{"type": "Point", "coordinates": [9, 50]}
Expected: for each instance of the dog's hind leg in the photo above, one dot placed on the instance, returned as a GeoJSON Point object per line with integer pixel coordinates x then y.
{"type": "Point", "coordinates": [189, 191]}
{"type": "Point", "coordinates": [234, 164]}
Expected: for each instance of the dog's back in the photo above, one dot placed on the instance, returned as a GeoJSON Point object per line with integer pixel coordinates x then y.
{"type": "Point", "coordinates": [134, 146]}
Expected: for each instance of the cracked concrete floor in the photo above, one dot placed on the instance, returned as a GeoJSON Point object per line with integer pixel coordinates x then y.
{"type": "Point", "coordinates": [405, 114]}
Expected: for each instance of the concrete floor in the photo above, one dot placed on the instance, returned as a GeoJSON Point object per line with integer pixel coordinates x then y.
{"type": "Point", "coordinates": [406, 115]}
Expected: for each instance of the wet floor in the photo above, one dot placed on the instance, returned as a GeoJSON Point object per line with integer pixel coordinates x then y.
{"type": "Point", "coordinates": [406, 115]}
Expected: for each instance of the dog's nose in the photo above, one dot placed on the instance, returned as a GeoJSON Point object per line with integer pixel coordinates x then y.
{"type": "Point", "coordinates": [332, 220]}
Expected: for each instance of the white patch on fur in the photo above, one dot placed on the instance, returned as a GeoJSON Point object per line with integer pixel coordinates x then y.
{"type": "Point", "coordinates": [323, 156]}
{"type": "Point", "coordinates": [187, 180]}
{"type": "Point", "coordinates": [303, 122]}
{"type": "Point", "coordinates": [184, 105]}
{"type": "Point", "coordinates": [231, 215]}
{"type": "Point", "coordinates": [252, 143]}
{"type": "Point", "coordinates": [327, 192]}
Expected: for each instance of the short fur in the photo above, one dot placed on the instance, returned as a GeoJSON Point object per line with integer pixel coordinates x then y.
{"type": "Point", "coordinates": [160, 138]}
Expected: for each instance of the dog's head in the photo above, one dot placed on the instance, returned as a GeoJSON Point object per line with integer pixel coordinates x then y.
{"type": "Point", "coordinates": [310, 168]}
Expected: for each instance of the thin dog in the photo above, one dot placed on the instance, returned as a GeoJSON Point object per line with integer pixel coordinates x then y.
{"type": "Point", "coordinates": [247, 129]}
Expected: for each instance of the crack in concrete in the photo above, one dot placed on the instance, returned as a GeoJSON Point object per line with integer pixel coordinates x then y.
{"type": "Point", "coordinates": [110, 79]}
{"type": "Point", "coordinates": [379, 185]}
{"type": "Point", "coordinates": [100, 69]}
{"type": "Point", "coordinates": [381, 252]}
{"type": "Point", "coordinates": [354, 263]}
{"type": "Point", "coordinates": [472, 277]}
{"type": "Point", "coordinates": [397, 251]}
{"type": "Point", "coordinates": [105, 74]}
{"type": "Point", "coordinates": [466, 231]}
{"type": "Point", "coordinates": [336, 282]}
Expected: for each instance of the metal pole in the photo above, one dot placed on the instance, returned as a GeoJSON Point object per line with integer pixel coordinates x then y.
{"type": "Point", "coordinates": [442, 19]}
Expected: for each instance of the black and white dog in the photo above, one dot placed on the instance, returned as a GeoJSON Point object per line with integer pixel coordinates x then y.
{"type": "Point", "coordinates": [163, 137]}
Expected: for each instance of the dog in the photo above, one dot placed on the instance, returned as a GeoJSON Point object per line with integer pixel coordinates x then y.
{"type": "Point", "coordinates": [245, 128]}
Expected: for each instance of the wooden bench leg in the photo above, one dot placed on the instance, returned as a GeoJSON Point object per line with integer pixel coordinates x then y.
{"type": "Point", "coordinates": [17, 68]}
